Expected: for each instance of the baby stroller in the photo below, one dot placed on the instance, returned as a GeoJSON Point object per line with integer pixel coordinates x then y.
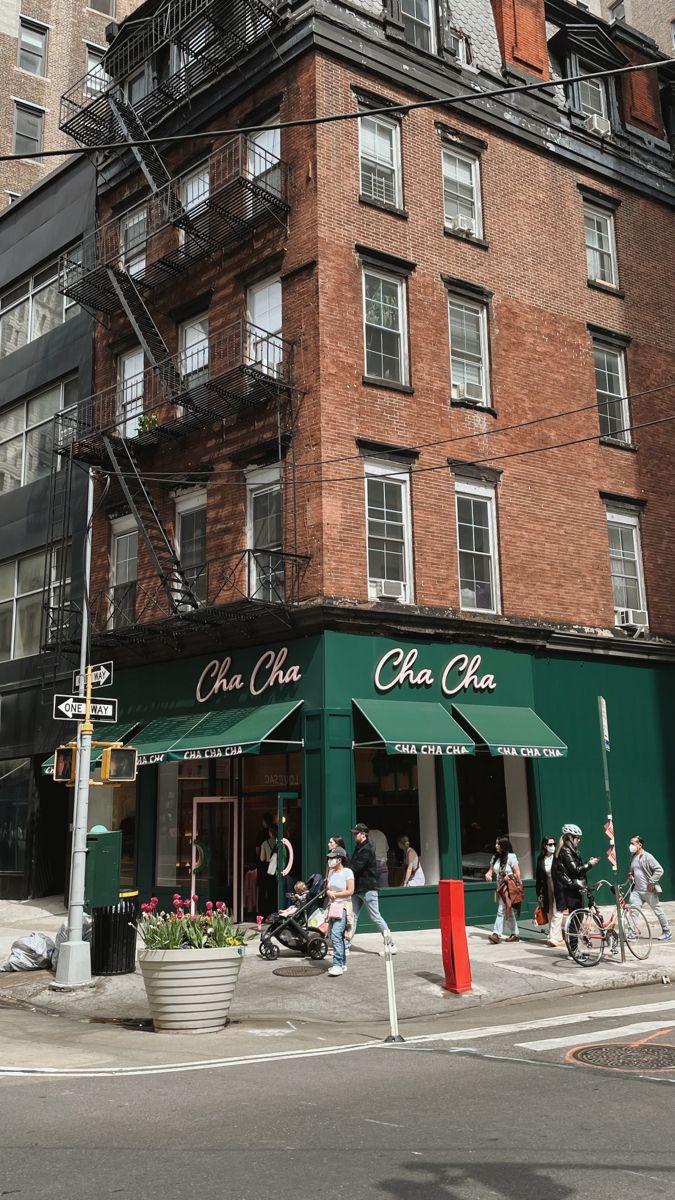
{"type": "Point", "coordinates": [293, 931]}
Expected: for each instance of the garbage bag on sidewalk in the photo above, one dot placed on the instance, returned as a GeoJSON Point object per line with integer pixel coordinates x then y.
{"type": "Point", "coordinates": [30, 953]}
{"type": "Point", "coordinates": [62, 936]}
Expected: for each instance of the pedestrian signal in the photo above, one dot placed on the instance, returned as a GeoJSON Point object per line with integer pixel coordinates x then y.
{"type": "Point", "coordinates": [65, 764]}
{"type": "Point", "coordinates": [118, 764]}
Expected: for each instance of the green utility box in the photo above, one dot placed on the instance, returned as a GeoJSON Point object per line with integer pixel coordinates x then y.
{"type": "Point", "coordinates": [103, 869]}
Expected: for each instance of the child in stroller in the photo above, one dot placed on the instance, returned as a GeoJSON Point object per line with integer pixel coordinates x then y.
{"type": "Point", "coordinates": [290, 925]}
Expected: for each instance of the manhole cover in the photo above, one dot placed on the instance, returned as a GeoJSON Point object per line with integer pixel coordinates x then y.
{"type": "Point", "coordinates": [299, 969]}
{"type": "Point", "coordinates": [622, 1056]}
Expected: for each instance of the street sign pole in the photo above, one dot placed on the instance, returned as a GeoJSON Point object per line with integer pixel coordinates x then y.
{"type": "Point", "coordinates": [605, 748]}
{"type": "Point", "coordinates": [73, 968]}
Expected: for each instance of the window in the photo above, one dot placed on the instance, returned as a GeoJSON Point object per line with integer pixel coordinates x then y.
{"type": "Point", "coordinates": [16, 787]}
{"type": "Point", "coordinates": [97, 80]}
{"type": "Point", "coordinates": [263, 156]}
{"type": "Point", "coordinates": [384, 324]}
{"type": "Point", "coordinates": [477, 548]}
{"type": "Point", "coordinates": [592, 93]}
{"type": "Point", "coordinates": [133, 232]}
{"type": "Point", "coordinates": [138, 86]}
{"type": "Point", "coordinates": [625, 558]}
{"type": "Point", "coordinates": [191, 541]}
{"type": "Point", "coordinates": [265, 347]}
{"type": "Point", "coordinates": [265, 535]}
{"type": "Point", "coordinates": [418, 23]}
{"type": "Point", "coordinates": [107, 7]}
{"type": "Point", "coordinates": [461, 192]}
{"type": "Point", "coordinates": [21, 602]}
{"type": "Point", "coordinates": [388, 537]}
{"type": "Point", "coordinates": [32, 307]}
{"type": "Point", "coordinates": [618, 11]}
{"type": "Point", "coordinates": [131, 379]}
{"type": "Point", "coordinates": [468, 351]}
{"type": "Point", "coordinates": [457, 44]}
{"type": "Point", "coordinates": [26, 435]}
{"type": "Point", "coordinates": [396, 798]}
{"type": "Point", "coordinates": [123, 573]}
{"type": "Point", "coordinates": [493, 793]}
{"type": "Point", "coordinates": [380, 153]}
{"type": "Point", "coordinates": [195, 188]}
{"type": "Point", "coordinates": [600, 245]}
{"type": "Point", "coordinates": [28, 127]}
{"type": "Point", "coordinates": [610, 390]}
{"type": "Point", "coordinates": [194, 351]}
{"type": "Point", "coordinates": [32, 47]}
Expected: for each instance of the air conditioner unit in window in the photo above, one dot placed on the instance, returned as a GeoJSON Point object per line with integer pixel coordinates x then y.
{"type": "Point", "coordinates": [632, 619]}
{"type": "Point", "coordinates": [597, 124]}
{"type": "Point", "coordinates": [388, 589]}
{"type": "Point", "coordinates": [458, 391]}
{"type": "Point", "coordinates": [467, 225]}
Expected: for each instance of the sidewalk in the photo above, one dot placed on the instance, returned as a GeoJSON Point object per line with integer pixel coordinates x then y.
{"type": "Point", "coordinates": [111, 1018]}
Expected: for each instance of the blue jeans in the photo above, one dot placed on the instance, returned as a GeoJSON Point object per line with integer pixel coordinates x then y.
{"type": "Point", "coordinates": [372, 904]}
{"type": "Point", "coordinates": [337, 937]}
{"type": "Point", "coordinates": [511, 925]}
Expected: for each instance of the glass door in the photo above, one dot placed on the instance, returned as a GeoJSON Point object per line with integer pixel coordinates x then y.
{"type": "Point", "coordinates": [214, 864]}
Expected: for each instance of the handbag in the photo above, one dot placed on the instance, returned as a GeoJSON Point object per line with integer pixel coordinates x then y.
{"type": "Point", "coordinates": [272, 865]}
{"type": "Point", "coordinates": [336, 910]}
{"type": "Point", "coordinates": [540, 917]}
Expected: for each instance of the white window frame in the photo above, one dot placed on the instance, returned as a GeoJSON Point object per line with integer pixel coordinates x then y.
{"type": "Point", "coordinates": [401, 285]}
{"type": "Point", "coordinates": [400, 477]}
{"type": "Point", "coordinates": [95, 81]}
{"type": "Point", "coordinates": [415, 21]}
{"type": "Point", "coordinates": [628, 521]}
{"type": "Point", "coordinates": [473, 161]}
{"type": "Point", "coordinates": [130, 422]}
{"type": "Point", "coordinates": [586, 68]}
{"type": "Point", "coordinates": [36, 27]}
{"type": "Point", "coordinates": [258, 480]}
{"type": "Point", "coordinates": [27, 429]}
{"type": "Point", "coordinates": [28, 291]}
{"type": "Point", "coordinates": [265, 352]}
{"type": "Point", "coordinates": [195, 357]}
{"type": "Point", "coordinates": [263, 157]}
{"type": "Point", "coordinates": [603, 214]}
{"type": "Point", "coordinates": [119, 527]}
{"type": "Point", "coordinates": [479, 307]}
{"type": "Point", "coordinates": [133, 253]}
{"type": "Point", "coordinates": [200, 195]}
{"type": "Point", "coordinates": [17, 596]}
{"type": "Point", "coordinates": [625, 435]}
{"type": "Point", "coordinates": [460, 47]}
{"type": "Point", "coordinates": [476, 491]}
{"type": "Point", "coordinates": [191, 502]}
{"type": "Point", "coordinates": [108, 11]}
{"type": "Point", "coordinates": [395, 165]}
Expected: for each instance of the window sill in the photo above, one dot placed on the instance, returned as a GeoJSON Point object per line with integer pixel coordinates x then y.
{"type": "Point", "coordinates": [608, 288]}
{"type": "Point", "coordinates": [617, 444]}
{"type": "Point", "coordinates": [395, 211]}
{"type": "Point", "coordinates": [370, 381]}
{"type": "Point", "coordinates": [479, 242]}
{"type": "Point", "coordinates": [474, 405]}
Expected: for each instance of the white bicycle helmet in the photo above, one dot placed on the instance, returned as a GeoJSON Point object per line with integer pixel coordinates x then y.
{"type": "Point", "coordinates": [571, 831]}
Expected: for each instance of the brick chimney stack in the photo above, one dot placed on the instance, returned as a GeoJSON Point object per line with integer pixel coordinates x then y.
{"type": "Point", "coordinates": [521, 28]}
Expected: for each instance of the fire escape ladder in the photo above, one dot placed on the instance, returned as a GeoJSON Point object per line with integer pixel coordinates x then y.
{"type": "Point", "coordinates": [147, 157]}
{"type": "Point", "coordinates": [154, 346]}
{"type": "Point", "coordinates": [150, 526]}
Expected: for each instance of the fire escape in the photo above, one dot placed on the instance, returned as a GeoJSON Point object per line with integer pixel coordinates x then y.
{"type": "Point", "coordinates": [150, 70]}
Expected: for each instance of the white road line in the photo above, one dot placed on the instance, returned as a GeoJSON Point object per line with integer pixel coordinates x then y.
{"type": "Point", "coordinates": [595, 1035]}
{"type": "Point", "coordinates": [577, 981]}
{"type": "Point", "coordinates": [390, 1124]}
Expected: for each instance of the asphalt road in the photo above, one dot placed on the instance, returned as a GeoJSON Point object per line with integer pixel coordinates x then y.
{"type": "Point", "coordinates": [495, 1109]}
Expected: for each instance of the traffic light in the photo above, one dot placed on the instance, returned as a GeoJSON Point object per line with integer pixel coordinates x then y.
{"type": "Point", "coordinates": [65, 764]}
{"type": "Point", "coordinates": [118, 764]}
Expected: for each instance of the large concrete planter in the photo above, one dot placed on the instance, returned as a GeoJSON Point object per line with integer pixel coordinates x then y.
{"type": "Point", "coordinates": [190, 990]}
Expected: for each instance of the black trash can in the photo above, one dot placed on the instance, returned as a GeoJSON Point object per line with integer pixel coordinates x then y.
{"type": "Point", "coordinates": [113, 938]}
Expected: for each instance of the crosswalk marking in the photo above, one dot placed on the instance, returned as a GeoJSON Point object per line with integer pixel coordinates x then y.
{"type": "Point", "coordinates": [594, 1035]}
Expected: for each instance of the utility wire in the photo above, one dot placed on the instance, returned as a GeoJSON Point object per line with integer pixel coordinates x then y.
{"type": "Point", "coordinates": [471, 97]}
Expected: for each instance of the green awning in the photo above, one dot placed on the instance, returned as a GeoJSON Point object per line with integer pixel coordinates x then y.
{"type": "Point", "coordinates": [224, 734]}
{"type": "Point", "coordinates": [511, 732]}
{"type": "Point", "coordinates": [102, 733]}
{"type": "Point", "coordinates": [411, 727]}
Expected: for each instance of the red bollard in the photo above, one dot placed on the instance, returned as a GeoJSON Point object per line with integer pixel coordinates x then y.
{"type": "Point", "coordinates": [453, 936]}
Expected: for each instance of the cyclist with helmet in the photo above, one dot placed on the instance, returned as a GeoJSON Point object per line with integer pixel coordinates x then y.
{"type": "Point", "coordinates": [569, 871]}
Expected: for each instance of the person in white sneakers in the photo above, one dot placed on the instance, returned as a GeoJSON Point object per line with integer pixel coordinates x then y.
{"type": "Point", "coordinates": [339, 892]}
{"type": "Point", "coordinates": [645, 872]}
{"type": "Point", "coordinates": [364, 866]}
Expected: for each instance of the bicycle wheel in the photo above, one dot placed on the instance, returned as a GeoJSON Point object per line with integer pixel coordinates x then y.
{"type": "Point", "coordinates": [585, 937]}
{"type": "Point", "coordinates": [636, 931]}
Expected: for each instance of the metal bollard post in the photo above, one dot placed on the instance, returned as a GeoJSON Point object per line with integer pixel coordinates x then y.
{"type": "Point", "coordinates": [394, 1036]}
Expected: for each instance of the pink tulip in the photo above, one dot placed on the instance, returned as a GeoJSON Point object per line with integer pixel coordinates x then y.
{"type": "Point", "coordinates": [209, 906]}
{"type": "Point", "coordinates": [259, 921]}
{"type": "Point", "coordinates": [195, 898]}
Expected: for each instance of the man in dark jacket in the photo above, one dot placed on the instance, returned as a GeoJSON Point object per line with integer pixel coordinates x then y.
{"type": "Point", "coordinates": [364, 865]}
{"type": "Point", "coordinates": [569, 871]}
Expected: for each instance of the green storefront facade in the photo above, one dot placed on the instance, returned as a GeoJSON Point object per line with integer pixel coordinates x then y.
{"type": "Point", "coordinates": [336, 721]}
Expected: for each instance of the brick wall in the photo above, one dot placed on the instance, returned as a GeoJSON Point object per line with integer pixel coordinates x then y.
{"type": "Point", "coordinates": [521, 28]}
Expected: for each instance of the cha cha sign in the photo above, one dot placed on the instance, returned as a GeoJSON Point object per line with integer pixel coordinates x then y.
{"type": "Point", "coordinates": [272, 670]}
{"type": "Point", "coordinates": [397, 669]}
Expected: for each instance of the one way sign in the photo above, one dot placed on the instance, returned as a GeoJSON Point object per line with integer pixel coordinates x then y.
{"type": "Point", "coordinates": [72, 708]}
{"type": "Point", "coordinates": [101, 676]}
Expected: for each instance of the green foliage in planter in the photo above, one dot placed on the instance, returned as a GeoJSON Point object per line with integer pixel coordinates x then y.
{"type": "Point", "coordinates": [179, 930]}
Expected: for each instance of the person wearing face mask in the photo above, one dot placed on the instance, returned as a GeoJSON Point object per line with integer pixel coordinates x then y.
{"type": "Point", "coordinates": [645, 873]}
{"type": "Point", "coordinates": [545, 893]}
{"type": "Point", "coordinates": [339, 893]}
{"type": "Point", "coordinates": [569, 871]}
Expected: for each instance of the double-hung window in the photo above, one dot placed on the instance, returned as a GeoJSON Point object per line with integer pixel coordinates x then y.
{"type": "Point", "coordinates": [265, 346]}
{"type": "Point", "coordinates": [191, 541]}
{"type": "Point", "coordinates": [469, 361]}
{"type": "Point", "coordinates": [461, 192]}
{"type": "Point", "coordinates": [600, 245]}
{"type": "Point", "coordinates": [22, 599]}
{"type": "Point", "coordinates": [96, 79]}
{"type": "Point", "coordinates": [133, 233]}
{"type": "Point", "coordinates": [32, 47]}
{"type": "Point", "coordinates": [26, 432]}
{"type": "Point", "coordinates": [130, 388]}
{"type": "Point", "coordinates": [263, 156]}
{"type": "Point", "coordinates": [28, 128]}
{"type": "Point", "coordinates": [123, 572]}
{"type": "Point", "coordinates": [107, 7]}
{"type": "Point", "coordinates": [265, 535]}
{"type": "Point", "coordinates": [384, 321]}
{"type": "Point", "coordinates": [477, 548]}
{"type": "Point", "coordinates": [418, 18]}
{"type": "Point", "coordinates": [610, 390]}
{"type": "Point", "coordinates": [592, 93]}
{"type": "Point", "coordinates": [388, 533]}
{"type": "Point", "coordinates": [380, 160]}
{"type": "Point", "coordinates": [625, 557]}
{"type": "Point", "coordinates": [194, 351]}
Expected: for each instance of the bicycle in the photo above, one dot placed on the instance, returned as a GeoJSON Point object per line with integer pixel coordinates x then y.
{"type": "Point", "coordinates": [587, 931]}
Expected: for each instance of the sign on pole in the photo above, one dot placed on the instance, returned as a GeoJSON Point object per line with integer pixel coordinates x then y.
{"type": "Point", "coordinates": [73, 708]}
{"type": "Point", "coordinates": [603, 721]}
{"type": "Point", "coordinates": [101, 676]}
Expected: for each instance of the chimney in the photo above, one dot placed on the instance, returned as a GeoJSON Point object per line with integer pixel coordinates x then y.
{"type": "Point", "coordinates": [521, 29]}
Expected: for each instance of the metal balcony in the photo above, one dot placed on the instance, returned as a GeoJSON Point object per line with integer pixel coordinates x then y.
{"type": "Point", "coordinates": [159, 63]}
{"type": "Point", "coordinates": [236, 368]}
{"type": "Point", "coordinates": [204, 210]}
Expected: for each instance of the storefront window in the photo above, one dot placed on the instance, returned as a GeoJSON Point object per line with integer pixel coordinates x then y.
{"type": "Point", "coordinates": [396, 798]}
{"type": "Point", "coordinates": [493, 801]}
{"type": "Point", "coordinates": [264, 776]}
{"type": "Point", "coordinates": [15, 782]}
{"type": "Point", "coordinates": [115, 807]}
{"type": "Point", "coordinates": [177, 786]}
